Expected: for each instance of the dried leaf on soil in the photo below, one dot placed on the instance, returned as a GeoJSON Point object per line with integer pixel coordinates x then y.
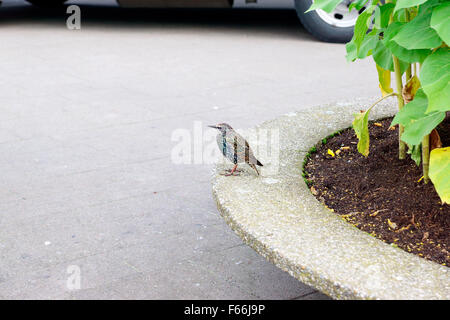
{"type": "Point", "coordinates": [391, 224]}
{"type": "Point", "coordinates": [330, 152]}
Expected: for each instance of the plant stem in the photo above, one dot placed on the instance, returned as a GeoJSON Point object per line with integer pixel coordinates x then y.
{"type": "Point", "coordinates": [398, 80]}
{"type": "Point", "coordinates": [408, 73]}
{"type": "Point", "coordinates": [426, 157]}
{"type": "Point", "coordinates": [408, 70]}
{"type": "Point", "coordinates": [381, 99]}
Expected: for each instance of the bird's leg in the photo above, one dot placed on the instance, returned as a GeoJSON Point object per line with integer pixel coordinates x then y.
{"type": "Point", "coordinates": [232, 172]}
{"type": "Point", "coordinates": [234, 169]}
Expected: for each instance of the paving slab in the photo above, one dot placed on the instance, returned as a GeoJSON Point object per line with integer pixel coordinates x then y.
{"type": "Point", "coordinates": [85, 141]}
{"type": "Point", "coordinates": [277, 215]}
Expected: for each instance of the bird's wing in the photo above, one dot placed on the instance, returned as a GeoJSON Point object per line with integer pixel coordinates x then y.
{"type": "Point", "coordinates": [241, 148]}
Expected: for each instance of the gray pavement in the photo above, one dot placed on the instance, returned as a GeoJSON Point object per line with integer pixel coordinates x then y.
{"type": "Point", "coordinates": [87, 118]}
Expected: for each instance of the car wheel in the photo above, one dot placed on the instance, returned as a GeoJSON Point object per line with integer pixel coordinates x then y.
{"type": "Point", "coordinates": [47, 3]}
{"type": "Point", "coordinates": [330, 27]}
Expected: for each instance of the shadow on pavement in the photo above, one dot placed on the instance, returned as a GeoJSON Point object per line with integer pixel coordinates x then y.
{"type": "Point", "coordinates": [264, 22]}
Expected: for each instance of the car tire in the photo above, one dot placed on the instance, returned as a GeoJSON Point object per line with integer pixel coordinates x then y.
{"type": "Point", "coordinates": [47, 3]}
{"type": "Point", "coordinates": [327, 27]}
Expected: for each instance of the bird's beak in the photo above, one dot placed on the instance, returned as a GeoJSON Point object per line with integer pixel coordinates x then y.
{"type": "Point", "coordinates": [214, 127]}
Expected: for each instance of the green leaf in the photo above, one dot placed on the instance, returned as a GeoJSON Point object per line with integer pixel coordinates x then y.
{"type": "Point", "coordinates": [407, 4]}
{"type": "Point", "coordinates": [415, 152]}
{"type": "Point", "coordinates": [325, 5]}
{"type": "Point", "coordinates": [416, 130]}
{"type": "Point", "coordinates": [440, 21]}
{"type": "Point", "coordinates": [416, 121]}
{"type": "Point", "coordinates": [360, 125]}
{"type": "Point", "coordinates": [382, 15]}
{"type": "Point", "coordinates": [383, 57]}
{"type": "Point", "coordinates": [435, 80]}
{"type": "Point", "coordinates": [357, 4]}
{"type": "Point", "coordinates": [427, 7]}
{"type": "Point", "coordinates": [439, 172]}
{"type": "Point", "coordinates": [409, 56]}
{"type": "Point", "coordinates": [400, 16]}
{"type": "Point", "coordinates": [350, 47]}
{"type": "Point", "coordinates": [417, 34]}
{"type": "Point", "coordinates": [368, 44]}
{"type": "Point", "coordinates": [412, 111]}
{"type": "Point", "coordinates": [361, 27]}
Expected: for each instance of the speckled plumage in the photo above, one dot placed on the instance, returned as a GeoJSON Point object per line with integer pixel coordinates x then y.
{"type": "Point", "coordinates": [234, 147]}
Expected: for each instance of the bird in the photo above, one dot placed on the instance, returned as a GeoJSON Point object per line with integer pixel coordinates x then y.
{"type": "Point", "coordinates": [235, 148]}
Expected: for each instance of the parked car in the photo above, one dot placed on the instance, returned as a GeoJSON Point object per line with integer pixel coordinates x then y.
{"type": "Point", "coordinates": [331, 27]}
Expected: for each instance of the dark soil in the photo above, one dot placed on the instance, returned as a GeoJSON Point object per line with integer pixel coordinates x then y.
{"type": "Point", "coordinates": [381, 194]}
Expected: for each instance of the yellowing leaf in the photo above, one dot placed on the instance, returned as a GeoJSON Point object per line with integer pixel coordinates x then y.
{"type": "Point", "coordinates": [410, 89]}
{"type": "Point", "coordinates": [377, 124]}
{"type": "Point", "coordinates": [362, 132]}
{"type": "Point", "coordinates": [385, 91]}
{"type": "Point", "coordinates": [361, 128]}
{"type": "Point", "coordinates": [330, 152]}
{"type": "Point", "coordinates": [439, 172]}
{"type": "Point", "coordinates": [384, 79]}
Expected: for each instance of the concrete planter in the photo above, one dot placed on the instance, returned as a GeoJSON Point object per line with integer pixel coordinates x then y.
{"type": "Point", "coordinates": [279, 218]}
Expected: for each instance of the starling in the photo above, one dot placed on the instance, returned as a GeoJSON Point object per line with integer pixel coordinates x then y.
{"type": "Point", "coordinates": [235, 148]}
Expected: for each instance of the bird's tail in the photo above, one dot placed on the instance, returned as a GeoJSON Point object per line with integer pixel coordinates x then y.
{"type": "Point", "coordinates": [254, 167]}
{"type": "Point", "coordinates": [259, 163]}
